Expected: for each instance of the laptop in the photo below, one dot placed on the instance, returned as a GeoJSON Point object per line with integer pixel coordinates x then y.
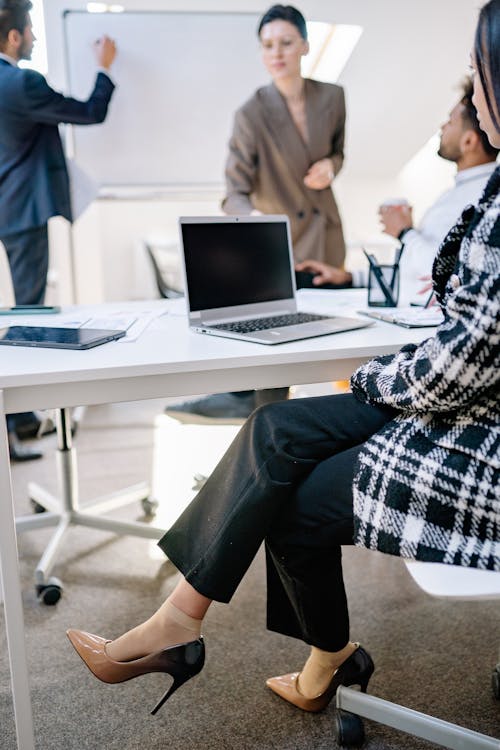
{"type": "Point", "coordinates": [240, 281]}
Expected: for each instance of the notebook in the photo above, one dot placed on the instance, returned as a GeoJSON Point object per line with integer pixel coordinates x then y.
{"type": "Point", "coordinates": [408, 317]}
{"type": "Point", "coordinates": [240, 282]}
{"type": "Point", "coordinates": [57, 338]}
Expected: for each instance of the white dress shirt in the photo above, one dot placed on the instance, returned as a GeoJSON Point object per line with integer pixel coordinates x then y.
{"type": "Point", "coordinates": [421, 244]}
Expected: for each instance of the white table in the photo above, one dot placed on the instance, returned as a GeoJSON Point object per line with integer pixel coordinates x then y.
{"type": "Point", "coordinates": [167, 360]}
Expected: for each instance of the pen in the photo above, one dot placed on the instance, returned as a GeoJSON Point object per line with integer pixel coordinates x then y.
{"type": "Point", "coordinates": [395, 266]}
{"type": "Point", "coordinates": [29, 309]}
{"type": "Point", "coordinates": [429, 299]}
{"type": "Point", "coordinates": [380, 278]}
{"type": "Point", "coordinates": [399, 253]}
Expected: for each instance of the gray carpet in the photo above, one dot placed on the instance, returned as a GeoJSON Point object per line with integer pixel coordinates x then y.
{"type": "Point", "coordinates": [433, 655]}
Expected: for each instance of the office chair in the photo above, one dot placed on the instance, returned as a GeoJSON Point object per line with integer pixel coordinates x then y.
{"type": "Point", "coordinates": [442, 581]}
{"type": "Point", "coordinates": [167, 287]}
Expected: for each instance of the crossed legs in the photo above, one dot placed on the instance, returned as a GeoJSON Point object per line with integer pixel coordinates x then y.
{"type": "Point", "coordinates": [286, 480]}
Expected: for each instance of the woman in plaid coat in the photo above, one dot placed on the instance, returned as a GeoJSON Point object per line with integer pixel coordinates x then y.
{"type": "Point", "coordinates": [427, 484]}
{"type": "Point", "coordinates": [408, 463]}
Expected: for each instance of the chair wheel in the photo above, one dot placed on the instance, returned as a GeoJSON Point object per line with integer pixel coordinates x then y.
{"type": "Point", "coordinates": [349, 729]}
{"type": "Point", "coordinates": [36, 507]}
{"type": "Point", "coordinates": [495, 682]}
{"type": "Point", "coordinates": [149, 507]}
{"type": "Point", "coordinates": [49, 593]}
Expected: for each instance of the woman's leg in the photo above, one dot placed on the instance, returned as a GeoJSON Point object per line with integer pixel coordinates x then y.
{"type": "Point", "coordinates": [216, 538]}
{"type": "Point", "coordinates": [306, 594]}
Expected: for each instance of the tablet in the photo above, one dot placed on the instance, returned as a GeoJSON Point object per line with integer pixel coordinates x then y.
{"type": "Point", "coordinates": [57, 338]}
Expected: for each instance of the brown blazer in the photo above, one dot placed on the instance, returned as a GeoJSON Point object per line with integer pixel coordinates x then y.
{"type": "Point", "coordinates": [268, 161]}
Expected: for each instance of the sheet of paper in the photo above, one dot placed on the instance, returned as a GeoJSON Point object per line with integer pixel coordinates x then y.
{"type": "Point", "coordinates": [83, 189]}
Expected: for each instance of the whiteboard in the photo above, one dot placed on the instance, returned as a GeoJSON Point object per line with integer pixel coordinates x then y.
{"type": "Point", "coordinates": [180, 77]}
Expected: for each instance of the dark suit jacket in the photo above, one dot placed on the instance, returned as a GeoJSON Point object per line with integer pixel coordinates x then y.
{"type": "Point", "coordinates": [33, 177]}
{"type": "Point", "coordinates": [268, 161]}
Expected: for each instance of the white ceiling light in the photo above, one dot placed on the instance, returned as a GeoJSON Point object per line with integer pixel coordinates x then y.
{"type": "Point", "coordinates": [104, 8]}
{"type": "Point", "coordinates": [331, 46]}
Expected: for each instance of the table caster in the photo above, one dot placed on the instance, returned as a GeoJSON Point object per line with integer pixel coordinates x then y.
{"type": "Point", "coordinates": [149, 507]}
{"type": "Point", "coordinates": [49, 593]}
{"type": "Point", "coordinates": [495, 682]}
{"type": "Point", "coordinates": [349, 729]}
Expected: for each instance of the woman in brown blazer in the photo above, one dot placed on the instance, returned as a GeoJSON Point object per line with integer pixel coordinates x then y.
{"type": "Point", "coordinates": [287, 144]}
{"type": "Point", "coordinates": [285, 150]}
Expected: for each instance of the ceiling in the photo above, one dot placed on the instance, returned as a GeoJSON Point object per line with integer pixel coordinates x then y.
{"type": "Point", "coordinates": [402, 77]}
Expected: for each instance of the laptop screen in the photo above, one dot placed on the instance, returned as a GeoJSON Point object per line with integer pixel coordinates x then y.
{"type": "Point", "coordinates": [229, 264]}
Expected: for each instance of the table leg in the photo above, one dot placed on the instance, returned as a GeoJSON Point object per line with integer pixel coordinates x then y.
{"type": "Point", "coordinates": [13, 606]}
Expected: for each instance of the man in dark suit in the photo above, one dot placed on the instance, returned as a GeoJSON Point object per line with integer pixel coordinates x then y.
{"type": "Point", "coordinates": [34, 183]}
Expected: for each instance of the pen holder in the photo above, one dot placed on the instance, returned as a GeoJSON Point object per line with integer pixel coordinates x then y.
{"type": "Point", "coordinates": [376, 296]}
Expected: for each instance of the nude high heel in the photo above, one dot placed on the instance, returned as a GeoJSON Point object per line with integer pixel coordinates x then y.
{"type": "Point", "coordinates": [181, 661]}
{"type": "Point", "coordinates": [355, 670]}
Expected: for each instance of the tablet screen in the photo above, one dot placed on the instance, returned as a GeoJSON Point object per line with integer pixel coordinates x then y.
{"type": "Point", "coordinates": [57, 338]}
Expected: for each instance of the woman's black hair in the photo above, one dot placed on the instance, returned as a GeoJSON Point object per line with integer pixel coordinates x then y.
{"type": "Point", "coordinates": [487, 55]}
{"type": "Point", "coordinates": [284, 13]}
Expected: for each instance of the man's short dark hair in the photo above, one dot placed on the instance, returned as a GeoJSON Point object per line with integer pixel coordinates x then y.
{"type": "Point", "coordinates": [13, 15]}
{"type": "Point", "coordinates": [469, 116]}
{"type": "Point", "coordinates": [284, 13]}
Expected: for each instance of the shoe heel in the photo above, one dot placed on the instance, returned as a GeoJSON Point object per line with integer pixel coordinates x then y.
{"type": "Point", "coordinates": [178, 681]}
{"type": "Point", "coordinates": [364, 679]}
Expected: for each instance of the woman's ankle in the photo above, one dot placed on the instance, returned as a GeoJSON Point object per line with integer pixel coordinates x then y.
{"type": "Point", "coordinates": [175, 620]}
{"type": "Point", "coordinates": [168, 626]}
{"type": "Point", "coordinates": [320, 667]}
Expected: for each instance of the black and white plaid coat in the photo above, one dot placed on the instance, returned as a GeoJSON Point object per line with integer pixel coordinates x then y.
{"type": "Point", "coordinates": [427, 486]}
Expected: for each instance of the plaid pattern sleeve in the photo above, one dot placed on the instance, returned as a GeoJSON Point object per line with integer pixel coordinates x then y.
{"type": "Point", "coordinates": [461, 361]}
{"type": "Point", "coordinates": [427, 486]}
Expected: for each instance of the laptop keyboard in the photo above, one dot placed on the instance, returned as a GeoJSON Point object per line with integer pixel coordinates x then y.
{"type": "Point", "coordinates": [261, 324]}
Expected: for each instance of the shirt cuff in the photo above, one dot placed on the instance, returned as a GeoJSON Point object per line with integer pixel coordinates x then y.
{"type": "Point", "coordinates": [108, 74]}
{"type": "Point", "coordinates": [403, 233]}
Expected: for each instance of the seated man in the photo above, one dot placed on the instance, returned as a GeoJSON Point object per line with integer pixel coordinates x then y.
{"type": "Point", "coordinates": [463, 142]}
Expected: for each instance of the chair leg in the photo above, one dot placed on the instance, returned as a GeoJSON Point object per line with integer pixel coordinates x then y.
{"type": "Point", "coordinates": [417, 724]}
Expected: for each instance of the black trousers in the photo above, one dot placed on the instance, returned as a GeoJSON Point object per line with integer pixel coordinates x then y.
{"type": "Point", "coordinates": [28, 255]}
{"type": "Point", "coordinates": [286, 480]}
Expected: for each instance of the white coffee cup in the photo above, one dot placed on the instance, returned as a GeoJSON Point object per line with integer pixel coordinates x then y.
{"type": "Point", "coordinates": [394, 202]}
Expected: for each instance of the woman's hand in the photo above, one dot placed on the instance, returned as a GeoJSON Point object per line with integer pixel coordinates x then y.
{"type": "Point", "coordinates": [324, 273]}
{"type": "Point", "coordinates": [319, 175]}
